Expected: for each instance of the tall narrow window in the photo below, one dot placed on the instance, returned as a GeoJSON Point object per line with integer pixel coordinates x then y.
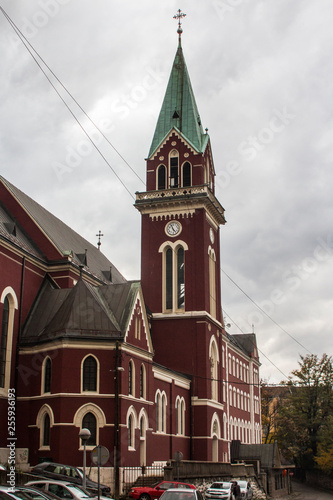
{"type": "Point", "coordinates": [187, 174]}
{"type": "Point", "coordinates": [180, 279]}
{"type": "Point", "coordinates": [163, 414]}
{"type": "Point", "coordinates": [46, 430]}
{"type": "Point", "coordinates": [158, 410]}
{"type": "Point", "coordinates": [89, 422]}
{"type": "Point", "coordinates": [142, 382]}
{"type": "Point", "coordinates": [168, 278]}
{"type": "Point", "coordinates": [130, 378]}
{"type": "Point", "coordinates": [161, 176]}
{"type": "Point", "coordinates": [130, 428]}
{"type": "Point", "coordinates": [47, 375]}
{"type": "Point", "coordinates": [89, 374]}
{"type": "Point", "coordinates": [174, 162]}
{"type": "Point", "coordinates": [212, 282]}
{"type": "Point", "coordinates": [3, 345]}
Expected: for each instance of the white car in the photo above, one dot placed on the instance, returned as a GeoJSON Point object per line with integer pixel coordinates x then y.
{"type": "Point", "coordinates": [65, 490]}
{"type": "Point", "coordinates": [246, 490]}
{"type": "Point", "coordinates": [219, 490]}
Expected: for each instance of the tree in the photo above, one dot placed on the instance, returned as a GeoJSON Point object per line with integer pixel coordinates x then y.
{"type": "Point", "coordinates": [324, 458]}
{"type": "Point", "coordinates": [306, 410]}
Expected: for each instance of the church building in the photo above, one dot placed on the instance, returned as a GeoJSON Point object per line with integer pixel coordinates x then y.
{"type": "Point", "coordinates": [147, 366]}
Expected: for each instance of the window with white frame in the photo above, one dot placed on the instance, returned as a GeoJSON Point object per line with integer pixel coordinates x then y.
{"type": "Point", "coordinates": [173, 276]}
{"type": "Point", "coordinates": [180, 409]}
{"type": "Point", "coordinates": [212, 281]}
{"type": "Point", "coordinates": [89, 377]}
{"type": "Point", "coordinates": [9, 304]}
{"type": "Point", "coordinates": [174, 169]}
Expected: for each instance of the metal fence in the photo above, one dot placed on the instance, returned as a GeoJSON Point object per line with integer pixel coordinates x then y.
{"type": "Point", "coordinates": [141, 476]}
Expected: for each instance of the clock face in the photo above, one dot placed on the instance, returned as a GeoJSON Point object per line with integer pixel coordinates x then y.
{"type": "Point", "coordinates": [211, 235]}
{"type": "Point", "coordinates": [173, 228]}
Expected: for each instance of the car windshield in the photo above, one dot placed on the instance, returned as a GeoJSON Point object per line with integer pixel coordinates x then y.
{"type": "Point", "coordinates": [220, 486]}
{"type": "Point", "coordinates": [242, 484]}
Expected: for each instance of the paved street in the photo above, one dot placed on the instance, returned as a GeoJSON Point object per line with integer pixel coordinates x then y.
{"type": "Point", "coordinates": [304, 492]}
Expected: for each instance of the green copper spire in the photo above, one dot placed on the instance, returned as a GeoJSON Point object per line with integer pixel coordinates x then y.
{"type": "Point", "coordinates": [179, 109]}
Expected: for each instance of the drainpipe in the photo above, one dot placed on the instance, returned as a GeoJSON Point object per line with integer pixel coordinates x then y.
{"type": "Point", "coordinates": [116, 425]}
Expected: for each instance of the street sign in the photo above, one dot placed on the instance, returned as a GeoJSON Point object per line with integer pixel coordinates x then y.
{"type": "Point", "coordinates": [99, 455]}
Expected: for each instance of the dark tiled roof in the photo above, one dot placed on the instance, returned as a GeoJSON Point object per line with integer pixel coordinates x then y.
{"type": "Point", "coordinates": [84, 311]}
{"type": "Point", "coordinates": [13, 232]}
{"type": "Point", "coordinates": [65, 239]}
{"type": "Point", "coordinates": [246, 342]}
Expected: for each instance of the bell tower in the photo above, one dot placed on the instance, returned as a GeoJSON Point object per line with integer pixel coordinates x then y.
{"type": "Point", "coordinates": [181, 217]}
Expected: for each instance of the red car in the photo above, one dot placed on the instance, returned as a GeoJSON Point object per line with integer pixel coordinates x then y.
{"type": "Point", "coordinates": [152, 492]}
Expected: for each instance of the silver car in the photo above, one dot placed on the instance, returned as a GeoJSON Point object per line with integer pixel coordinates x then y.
{"type": "Point", "coordinates": [219, 490]}
{"type": "Point", "coordinates": [64, 490]}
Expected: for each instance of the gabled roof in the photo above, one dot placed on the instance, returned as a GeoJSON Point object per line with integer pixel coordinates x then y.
{"type": "Point", "coordinates": [84, 311]}
{"type": "Point", "coordinates": [44, 235]}
{"type": "Point", "coordinates": [246, 342]}
{"type": "Point", "coordinates": [179, 109]}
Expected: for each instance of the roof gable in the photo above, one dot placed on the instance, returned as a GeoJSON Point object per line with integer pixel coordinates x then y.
{"type": "Point", "coordinates": [138, 331]}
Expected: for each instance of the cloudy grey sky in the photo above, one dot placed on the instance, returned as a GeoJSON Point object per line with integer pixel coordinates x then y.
{"type": "Point", "coordinates": [262, 74]}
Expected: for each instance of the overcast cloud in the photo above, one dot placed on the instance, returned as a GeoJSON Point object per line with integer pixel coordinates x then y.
{"type": "Point", "coordinates": [262, 75]}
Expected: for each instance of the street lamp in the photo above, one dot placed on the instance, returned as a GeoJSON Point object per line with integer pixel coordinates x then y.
{"type": "Point", "coordinates": [84, 434]}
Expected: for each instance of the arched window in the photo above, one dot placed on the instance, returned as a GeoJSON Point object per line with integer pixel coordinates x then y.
{"type": "Point", "coordinates": [47, 375]}
{"type": "Point", "coordinates": [180, 278]}
{"type": "Point", "coordinates": [89, 374]}
{"type": "Point", "coordinates": [187, 181]}
{"type": "Point", "coordinates": [142, 382]}
{"type": "Point", "coordinates": [131, 378]}
{"type": "Point", "coordinates": [46, 430]}
{"type": "Point", "coordinates": [89, 422]}
{"type": "Point", "coordinates": [180, 408]}
{"type": "Point", "coordinates": [158, 411]}
{"type": "Point", "coordinates": [174, 276]}
{"type": "Point", "coordinates": [174, 167]}
{"type": "Point", "coordinates": [163, 413]}
{"type": "Point", "coordinates": [214, 370]}
{"type": "Point", "coordinates": [4, 339]}
{"type": "Point", "coordinates": [44, 422]}
{"type": "Point", "coordinates": [212, 281]}
{"type": "Point", "coordinates": [161, 177]}
{"type": "Point", "coordinates": [130, 428]}
{"type": "Point", "coordinates": [161, 403]}
{"type": "Point", "coordinates": [168, 278]}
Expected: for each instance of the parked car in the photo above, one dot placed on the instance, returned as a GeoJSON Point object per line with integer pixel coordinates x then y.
{"type": "Point", "coordinates": [219, 490]}
{"type": "Point", "coordinates": [36, 493]}
{"type": "Point", "coordinates": [157, 490]}
{"type": "Point", "coordinates": [67, 473]}
{"type": "Point", "coordinates": [246, 490]}
{"type": "Point", "coordinates": [9, 493]}
{"type": "Point", "coordinates": [64, 490]}
{"type": "Point", "coordinates": [182, 494]}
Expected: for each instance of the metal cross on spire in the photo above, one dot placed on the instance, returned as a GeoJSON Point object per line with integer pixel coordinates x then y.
{"type": "Point", "coordinates": [99, 239]}
{"type": "Point", "coordinates": [179, 16]}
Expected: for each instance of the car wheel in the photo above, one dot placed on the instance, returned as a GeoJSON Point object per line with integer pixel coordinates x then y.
{"type": "Point", "coordinates": [145, 496]}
